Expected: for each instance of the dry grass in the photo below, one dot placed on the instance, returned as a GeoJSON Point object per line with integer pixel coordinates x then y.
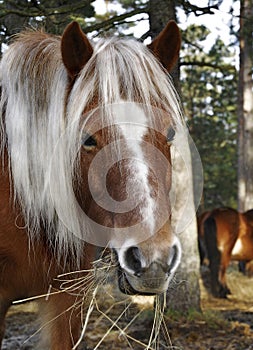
{"type": "Point", "coordinates": [132, 323]}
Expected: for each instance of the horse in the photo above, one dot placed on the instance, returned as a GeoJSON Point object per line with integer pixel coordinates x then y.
{"type": "Point", "coordinates": [201, 241]}
{"type": "Point", "coordinates": [86, 132]}
{"type": "Point", "coordinates": [227, 236]}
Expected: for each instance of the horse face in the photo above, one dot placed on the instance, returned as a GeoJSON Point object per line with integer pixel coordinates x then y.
{"type": "Point", "coordinates": [126, 180]}
{"type": "Point", "coordinates": [125, 165]}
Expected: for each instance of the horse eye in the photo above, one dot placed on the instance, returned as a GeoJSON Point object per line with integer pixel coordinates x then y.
{"type": "Point", "coordinates": [170, 134]}
{"type": "Point", "coordinates": [89, 141]}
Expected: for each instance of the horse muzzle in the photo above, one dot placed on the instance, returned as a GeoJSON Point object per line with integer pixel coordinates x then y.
{"type": "Point", "coordinates": [153, 281]}
{"type": "Point", "coordinates": [148, 280]}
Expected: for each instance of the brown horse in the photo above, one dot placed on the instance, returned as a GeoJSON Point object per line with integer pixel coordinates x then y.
{"type": "Point", "coordinates": [226, 235]}
{"type": "Point", "coordinates": [85, 138]}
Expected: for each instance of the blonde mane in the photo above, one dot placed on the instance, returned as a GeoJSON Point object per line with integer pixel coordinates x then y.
{"type": "Point", "coordinates": [37, 110]}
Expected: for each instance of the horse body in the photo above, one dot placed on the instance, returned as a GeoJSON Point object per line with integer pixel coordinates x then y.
{"type": "Point", "coordinates": [29, 269]}
{"type": "Point", "coordinates": [84, 129]}
{"type": "Point", "coordinates": [243, 248]}
{"type": "Point", "coordinates": [227, 236]}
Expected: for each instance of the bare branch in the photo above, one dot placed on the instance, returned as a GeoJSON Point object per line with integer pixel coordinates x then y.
{"type": "Point", "coordinates": [37, 9]}
{"type": "Point", "coordinates": [199, 11]}
{"type": "Point", "coordinates": [115, 20]}
{"type": "Point", "coordinates": [223, 67]}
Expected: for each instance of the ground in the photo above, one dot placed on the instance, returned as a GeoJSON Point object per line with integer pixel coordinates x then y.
{"type": "Point", "coordinates": [223, 325]}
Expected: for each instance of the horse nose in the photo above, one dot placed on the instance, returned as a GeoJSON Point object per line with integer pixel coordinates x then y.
{"type": "Point", "coordinates": [134, 260]}
{"type": "Point", "coordinates": [174, 257]}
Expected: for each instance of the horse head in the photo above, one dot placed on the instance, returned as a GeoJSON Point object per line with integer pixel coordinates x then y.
{"type": "Point", "coordinates": [124, 160]}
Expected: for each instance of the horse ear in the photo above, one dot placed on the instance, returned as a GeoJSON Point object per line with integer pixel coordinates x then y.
{"type": "Point", "coordinates": [166, 45]}
{"type": "Point", "coordinates": [75, 48]}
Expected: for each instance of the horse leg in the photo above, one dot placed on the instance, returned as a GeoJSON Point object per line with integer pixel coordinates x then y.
{"type": "Point", "coordinates": [242, 266]}
{"type": "Point", "coordinates": [213, 253]}
{"type": "Point", "coordinates": [61, 321]}
{"type": "Point", "coordinates": [4, 306]}
{"type": "Point", "coordinates": [225, 259]}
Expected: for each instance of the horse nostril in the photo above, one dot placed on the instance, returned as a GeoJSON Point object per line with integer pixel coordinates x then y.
{"type": "Point", "coordinates": [133, 260]}
{"type": "Point", "coordinates": [174, 257]}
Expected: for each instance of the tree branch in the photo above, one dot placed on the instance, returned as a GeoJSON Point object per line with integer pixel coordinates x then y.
{"type": "Point", "coordinates": [115, 20]}
{"type": "Point", "coordinates": [199, 11]}
{"type": "Point", "coordinates": [37, 9]}
{"type": "Point", "coordinates": [224, 67]}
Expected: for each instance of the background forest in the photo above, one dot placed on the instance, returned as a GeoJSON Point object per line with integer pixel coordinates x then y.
{"type": "Point", "coordinates": [214, 80]}
{"type": "Point", "coordinates": [208, 72]}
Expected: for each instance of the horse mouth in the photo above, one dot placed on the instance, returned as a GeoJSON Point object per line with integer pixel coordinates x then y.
{"type": "Point", "coordinates": [125, 286]}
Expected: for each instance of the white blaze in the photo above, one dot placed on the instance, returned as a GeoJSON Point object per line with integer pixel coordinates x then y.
{"type": "Point", "coordinates": [133, 126]}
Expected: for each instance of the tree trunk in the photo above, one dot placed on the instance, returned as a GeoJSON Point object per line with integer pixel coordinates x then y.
{"type": "Point", "coordinates": [159, 15]}
{"type": "Point", "coordinates": [185, 294]}
{"type": "Point", "coordinates": [245, 109]}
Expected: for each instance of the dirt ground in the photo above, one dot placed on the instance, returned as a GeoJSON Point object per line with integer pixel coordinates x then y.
{"type": "Point", "coordinates": [223, 325]}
